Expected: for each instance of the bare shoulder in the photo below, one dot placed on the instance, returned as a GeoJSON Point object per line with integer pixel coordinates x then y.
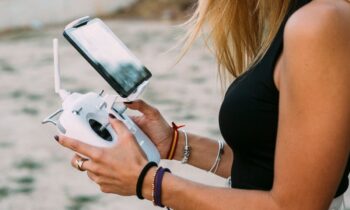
{"type": "Point", "coordinates": [320, 21]}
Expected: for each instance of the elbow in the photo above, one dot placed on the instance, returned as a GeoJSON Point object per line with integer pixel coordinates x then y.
{"type": "Point", "coordinates": [281, 201]}
{"type": "Point", "coordinates": [276, 202]}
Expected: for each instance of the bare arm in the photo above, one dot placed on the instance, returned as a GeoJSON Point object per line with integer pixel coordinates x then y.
{"type": "Point", "coordinates": [313, 136]}
{"type": "Point", "coordinates": [204, 152]}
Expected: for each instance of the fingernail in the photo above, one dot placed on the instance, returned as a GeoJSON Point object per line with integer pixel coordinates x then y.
{"type": "Point", "coordinates": [56, 138]}
{"type": "Point", "coordinates": [128, 102]}
{"type": "Point", "coordinates": [111, 116]}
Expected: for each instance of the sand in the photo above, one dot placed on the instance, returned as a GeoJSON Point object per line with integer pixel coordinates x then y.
{"type": "Point", "coordinates": [36, 173]}
{"type": "Point", "coordinates": [35, 170]}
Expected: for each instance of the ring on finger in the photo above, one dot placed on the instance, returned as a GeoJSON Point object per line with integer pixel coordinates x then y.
{"type": "Point", "coordinates": [79, 163]}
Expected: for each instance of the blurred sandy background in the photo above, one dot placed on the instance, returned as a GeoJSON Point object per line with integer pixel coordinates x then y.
{"type": "Point", "coordinates": [34, 171]}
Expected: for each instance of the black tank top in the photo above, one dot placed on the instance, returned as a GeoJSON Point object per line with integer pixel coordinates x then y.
{"type": "Point", "coordinates": [248, 120]}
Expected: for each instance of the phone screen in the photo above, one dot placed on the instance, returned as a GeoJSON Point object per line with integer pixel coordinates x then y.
{"type": "Point", "coordinates": [110, 57]}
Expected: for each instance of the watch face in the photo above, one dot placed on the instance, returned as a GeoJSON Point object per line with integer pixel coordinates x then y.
{"type": "Point", "coordinates": [110, 57]}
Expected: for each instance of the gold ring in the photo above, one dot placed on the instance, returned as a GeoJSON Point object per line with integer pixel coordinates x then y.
{"type": "Point", "coordinates": [79, 163]}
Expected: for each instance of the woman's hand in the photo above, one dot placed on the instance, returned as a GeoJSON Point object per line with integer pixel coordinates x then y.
{"type": "Point", "coordinates": [153, 124]}
{"type": "Point", "coordinates": [115, 169]}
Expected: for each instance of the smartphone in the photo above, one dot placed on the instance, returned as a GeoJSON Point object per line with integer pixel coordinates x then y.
{"type": "Point", "coordinates": [107, 54]}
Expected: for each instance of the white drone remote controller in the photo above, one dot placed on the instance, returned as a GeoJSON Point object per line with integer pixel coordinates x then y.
{"type": "Point", "coordinates": [85, 117]}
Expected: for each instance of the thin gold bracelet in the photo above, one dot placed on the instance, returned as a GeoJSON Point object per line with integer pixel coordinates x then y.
{"type": "Point", "coordinates": [154, 178]}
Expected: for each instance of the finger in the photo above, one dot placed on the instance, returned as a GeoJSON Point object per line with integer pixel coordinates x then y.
{"type": "Point", "coordinates": [95, 168]}
{"type": "Point", "coordinates": [106, 188]}
{"type": "Point", "coordinates": [142, 107]}
{"type": "Point", "coordinates": [80, 147]}
{"type": "Point", "coordinates": [74, 160]}
{"type": "Point", "coordinates": [91, 166]}
{"type": "Point", "coordinates": [92, 176]}
{"type": "Point", "coordinates": [100, 180]}
{"type": "Point", "coordinates": [76, 157]}
{"type": "Point", "coordinates": [124, 132]}
{"type": "Point", "coordinates": [118, 125]}
{"type": "Point", "coordinates": [136, 119]}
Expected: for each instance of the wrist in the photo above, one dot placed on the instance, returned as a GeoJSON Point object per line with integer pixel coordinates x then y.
{"type": "Point", "coordinates": [180, 145]}
{"type": "Point", "coordinates": [141, 178]}
{"type": "Point", "coordinates": [153, 187]}
{"type": "Point", "coordinates": [174, 142]}
{"type": "Point", "coordinates": [163, 146]}
{"type": "Point", "coordinates": [147, 184]}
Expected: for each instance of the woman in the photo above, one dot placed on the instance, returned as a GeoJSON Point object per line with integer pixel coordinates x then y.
{"type": "Point", "coordinates": [285, 118]}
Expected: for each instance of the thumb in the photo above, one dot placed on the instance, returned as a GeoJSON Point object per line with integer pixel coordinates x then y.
{"type": "Point", "coordinates": [118, 125]}
{"type": "Point", "coordinates": [123, 131]}
{"type": "Point", "coordinates": [142, 107]}
{"type": "Point", "coordinates": [136, 119]}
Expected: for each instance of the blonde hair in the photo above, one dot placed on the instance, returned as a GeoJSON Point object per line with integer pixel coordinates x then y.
{"type": "Point", "coordinates": [240, 31]}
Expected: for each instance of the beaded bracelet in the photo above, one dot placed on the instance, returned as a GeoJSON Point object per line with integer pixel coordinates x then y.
{"type": "Point", "coordinates": [187, 149]}
{"type": "Point", "coordinates": [141, 178]}
{"type": "Point", "coordinates": [153, 185]}
{"type": "Point", "coordinates": [174, 142]}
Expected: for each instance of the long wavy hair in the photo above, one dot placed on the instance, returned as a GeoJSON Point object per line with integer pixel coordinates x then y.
{"type": "Point", "coordinates": [239, 32]}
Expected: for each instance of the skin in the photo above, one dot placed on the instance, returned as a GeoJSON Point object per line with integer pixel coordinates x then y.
{"type": "Point", "coordinates": [313, 132]}
{"type": "Point", "coordinates": [150, 122]}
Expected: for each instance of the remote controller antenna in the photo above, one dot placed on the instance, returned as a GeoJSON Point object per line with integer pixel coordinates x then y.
{"type": "Point", "coordinates": [62, 93]}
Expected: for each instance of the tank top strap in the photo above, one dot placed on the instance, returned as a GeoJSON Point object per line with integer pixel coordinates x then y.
{"type": "Point", "coordinates": [277, 44]}
{"type": "Point", "coordinates": [276, 47]}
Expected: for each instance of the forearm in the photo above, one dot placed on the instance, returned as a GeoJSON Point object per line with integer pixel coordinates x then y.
{"type": "Point", "coordinates": [204, 152]}
{"type": "Point", "coordinates": [181, 194]}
